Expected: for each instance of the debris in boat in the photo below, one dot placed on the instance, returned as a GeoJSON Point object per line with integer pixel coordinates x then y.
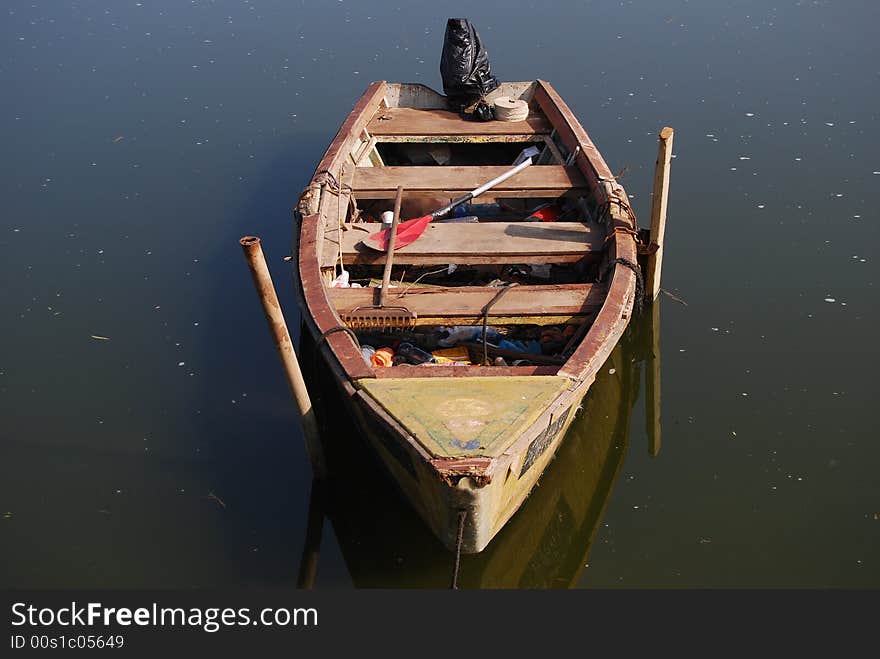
{"type": "Point", "coordinates": [342, 281]}
{"type": "Point", "coordinates": [481, 210]}
{"type": "Point", "coordinates": [414, 355]}
{"type": "Point", "coordinates": [368, 352]}
{"type": "Point", "coordinates": [540, 270]}
{"type": "Point", "coordinates": [382, 357]}
{"type": "Point", "coordinates": [457, 355]}
{"type": "Point", "coordinates": [464, 66]}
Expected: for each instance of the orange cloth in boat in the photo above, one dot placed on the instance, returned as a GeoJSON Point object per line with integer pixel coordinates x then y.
{"type": "Point", "coordinates": [382, 357]}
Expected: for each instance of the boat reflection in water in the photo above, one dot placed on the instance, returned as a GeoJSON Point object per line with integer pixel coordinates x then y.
{"type": "Point", "coordinates": [546, 544]}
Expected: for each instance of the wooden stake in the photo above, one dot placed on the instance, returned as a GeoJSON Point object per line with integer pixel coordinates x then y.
{"type": "Point", "coordinates": [658, 213]}
{"type": "Point", "coordinates": [308, 564]}
{"type": "Point", "coordinates": [269, 299]}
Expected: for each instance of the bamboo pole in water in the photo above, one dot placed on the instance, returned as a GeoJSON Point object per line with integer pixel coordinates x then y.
{"type": "Point", "coordinates": [652, 384]}
{"type": "Point", "coordinates": [658, 213]}
{"type": "Point", "coordinates": [308, 564]}
{"type": "Point", "coordinates": [272, 308]}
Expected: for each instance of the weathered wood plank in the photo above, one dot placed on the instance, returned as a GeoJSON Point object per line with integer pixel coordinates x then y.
{"type": "Point", "coordinates": [537, 181]}
{"type": "Point", "coordinates": [442, 371]}
{"type": "Point", "coordinates": [463, 305]}
{"type": "Point", "coordinates": [412, 121]}
{"type": "Point", "coordinates": [477, 243]}
{"type": "Point", "coordinates": [537, 138]}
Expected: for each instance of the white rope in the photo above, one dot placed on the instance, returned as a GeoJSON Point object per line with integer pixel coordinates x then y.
{"type": "Point", "coordinates": [511, 109]}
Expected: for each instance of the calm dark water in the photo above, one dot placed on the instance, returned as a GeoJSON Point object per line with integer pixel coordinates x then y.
{"type": "Point", "coordinates": [142, 139]}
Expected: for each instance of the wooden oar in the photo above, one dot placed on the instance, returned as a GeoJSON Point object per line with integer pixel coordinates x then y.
{"type": "Point", "coordinates": [410, 230]}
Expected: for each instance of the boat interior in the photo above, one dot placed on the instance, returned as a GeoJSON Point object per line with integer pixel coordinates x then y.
{"type": "Point", "coordinates": [537, 234]}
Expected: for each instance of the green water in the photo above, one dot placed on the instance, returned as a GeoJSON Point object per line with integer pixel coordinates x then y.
{"type": "Point", "coordinates": [142, 139]}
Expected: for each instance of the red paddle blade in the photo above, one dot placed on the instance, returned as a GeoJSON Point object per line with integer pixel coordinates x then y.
{"type": "Point", "coordinates": [407, 232]}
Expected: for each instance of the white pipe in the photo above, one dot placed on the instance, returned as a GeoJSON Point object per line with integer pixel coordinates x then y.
{"type": "Point", "coordinates": [506, 175]}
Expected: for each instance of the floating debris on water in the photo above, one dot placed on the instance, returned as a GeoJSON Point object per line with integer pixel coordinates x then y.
{"type": "Point", "coordinates": [214, 497]}
{"type": "Point", "coordinates": [98, 337]}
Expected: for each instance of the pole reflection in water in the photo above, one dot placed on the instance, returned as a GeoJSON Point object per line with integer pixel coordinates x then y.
{"type": "Point", "coordinates": [546, 544]}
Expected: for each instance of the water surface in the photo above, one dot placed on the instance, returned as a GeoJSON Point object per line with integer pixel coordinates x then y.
{"type": "Point", "coordinates": [142, 139]}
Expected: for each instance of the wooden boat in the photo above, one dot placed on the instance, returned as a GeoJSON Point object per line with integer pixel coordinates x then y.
{"type": "Point", "coordinates": [545, 545]}
{"type": "Point", "coordinates": [466, 444]}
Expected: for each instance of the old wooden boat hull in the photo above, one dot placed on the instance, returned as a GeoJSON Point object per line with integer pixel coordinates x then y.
{"type": "Point", "coordinates": [545, 545]}
{"type": "Point", "coordinates": [466, 444]}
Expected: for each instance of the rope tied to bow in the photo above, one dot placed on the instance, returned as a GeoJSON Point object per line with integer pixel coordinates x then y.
{"type": "Point", "coordinates": [462, 515]}
{"type": "Point", "coordinates": [638, 302]}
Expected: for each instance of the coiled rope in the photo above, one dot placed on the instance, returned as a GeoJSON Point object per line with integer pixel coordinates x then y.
{"type": "Point", "coordinates": [511, 109]}
{"type": "Point", "coordinates": [462, 515]}
{"type": "Point", "coordinates": [640, 282]}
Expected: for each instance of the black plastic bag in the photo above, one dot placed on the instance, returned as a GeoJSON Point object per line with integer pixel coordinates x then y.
{"type": "Point", "coordinates": [464, 66]}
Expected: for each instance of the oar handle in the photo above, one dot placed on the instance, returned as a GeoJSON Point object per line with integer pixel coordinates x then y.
{"type": "Point", "coordinates": [440, 212]}
{"type": "Point", "coordinates": [392, 238]}
{"type": "Point", "coordinates": [480, 190]}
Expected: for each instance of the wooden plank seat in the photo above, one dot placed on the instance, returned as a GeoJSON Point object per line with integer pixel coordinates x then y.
{"type": "Point", "coordinates": [396, 122]}
{"type": "Point", "coordinates": [546, 304]}
{"type": "Point", "coordinates": [472, 244]}
{"type": "Point", "coordinates": [536, 181]}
